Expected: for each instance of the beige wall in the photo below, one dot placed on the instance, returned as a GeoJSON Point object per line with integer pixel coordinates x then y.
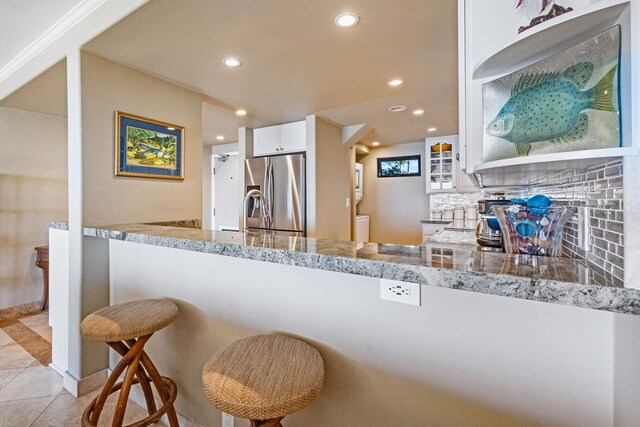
{"type": "Point", "coordinates": [396, 205]}
{"type": "Point", "coordinates": [332, 183]}
{"type": "Point", "coordinates": [33, 189]}
{"type": "Point", "coordinates": [108, 87]}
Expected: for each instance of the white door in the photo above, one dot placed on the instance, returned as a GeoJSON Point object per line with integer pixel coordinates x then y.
{"type": "Point", "coordinates": [225, 193]}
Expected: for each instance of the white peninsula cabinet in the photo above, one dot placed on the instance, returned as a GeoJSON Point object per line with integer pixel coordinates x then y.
{"type": "Point", "coordinates": [443, 171]}
{"type": "Point", "coordinates": [280, 139]}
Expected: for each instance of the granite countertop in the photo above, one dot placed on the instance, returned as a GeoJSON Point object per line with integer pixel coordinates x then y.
{"type": "Point", "coordinates": [455, 266]}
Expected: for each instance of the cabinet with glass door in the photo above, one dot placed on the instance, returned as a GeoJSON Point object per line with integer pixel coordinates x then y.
{"type": "Point", "coordinates": [441, 165]}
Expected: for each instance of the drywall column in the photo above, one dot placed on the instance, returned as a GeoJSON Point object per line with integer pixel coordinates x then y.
{"type": "Point", "coordinates": [245, 151]}
{"type": "Point", "coordinates": [74, 117]}
{"type": "Point", "coordinates": [88, 257]}
{"type": "Point", "coordinates": [328, 181]}
{"type": "Point", "coordinates": [311, 176]}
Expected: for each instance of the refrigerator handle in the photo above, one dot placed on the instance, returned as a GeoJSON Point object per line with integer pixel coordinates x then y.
{"type": "Point", "coordinates": [269, 195]}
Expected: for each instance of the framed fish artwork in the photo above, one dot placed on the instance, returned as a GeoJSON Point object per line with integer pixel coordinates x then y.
{"type": "Point", "coordinates": [567, 102]}
{"type": "Point", "coordinates": [147, 148]}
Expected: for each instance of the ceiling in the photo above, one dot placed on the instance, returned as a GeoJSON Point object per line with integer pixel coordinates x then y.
{"type": "Point", "coordinates": [297, 62]}
{"type": "Point", "coordinates": [46, 94]}
{"type": "Point", "coordinates": [23, 21]}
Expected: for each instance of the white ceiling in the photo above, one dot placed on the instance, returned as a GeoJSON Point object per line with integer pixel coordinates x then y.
{"type": "Point", "coordinates": [23, 21]}
{"type": "Point", "coordinates": [46, 94]}
{"type": "Point", "coordinates": [297, 62]}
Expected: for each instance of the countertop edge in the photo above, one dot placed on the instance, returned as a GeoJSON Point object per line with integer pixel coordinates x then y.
{"type": "Point", "coordinates": [611, 299]}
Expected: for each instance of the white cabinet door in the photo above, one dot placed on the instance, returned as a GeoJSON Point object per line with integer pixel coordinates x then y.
{"type": "Point", "coordinates": [294, 137]}
{"type": "Point", "coordinates": [266, 141]}
{"type": "Point", "coordinates": [464, 184]}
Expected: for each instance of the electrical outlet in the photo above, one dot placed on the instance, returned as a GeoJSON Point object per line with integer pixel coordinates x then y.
{"type": "Point", "coordinates": [404, 292]}
{"type": "Point", "coordinates": [227, 420]}
{"type": "Point", "coordinates": [348, 203]}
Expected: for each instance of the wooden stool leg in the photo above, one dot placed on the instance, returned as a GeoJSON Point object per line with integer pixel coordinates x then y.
{"type": "Point", "coordinates": [275, 422]}
{"type": "Point", "coordinates": [92, 413]}
{"type": "Point", "coordinates": [165, 395]}
{"type": "Point", "coordinates": [123, 398]}
{"type": "Point", "coordinates": [142, 376]}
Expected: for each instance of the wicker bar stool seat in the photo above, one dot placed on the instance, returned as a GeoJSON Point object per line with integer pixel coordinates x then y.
{"type": "Point", "coordinates": [126, 328]}
{"type": "Point", "coordinates": [264, 378]}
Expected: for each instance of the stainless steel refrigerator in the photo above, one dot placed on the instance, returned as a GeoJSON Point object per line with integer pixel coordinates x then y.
{"type": "Point", "coordinates": [282, 181]}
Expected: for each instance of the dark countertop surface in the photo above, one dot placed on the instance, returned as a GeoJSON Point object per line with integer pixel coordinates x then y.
{"type": "Point", "coordinates": [435, 221]}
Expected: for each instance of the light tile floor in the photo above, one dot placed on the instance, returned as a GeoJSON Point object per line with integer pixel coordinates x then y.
{"type": "Point", "coordinates": [31, 393]}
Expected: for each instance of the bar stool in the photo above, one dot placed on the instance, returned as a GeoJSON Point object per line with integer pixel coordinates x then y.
{"type": "Point", "coordinates": [263, 378]}
{"type": "Point", "coordinates": [126, 328]}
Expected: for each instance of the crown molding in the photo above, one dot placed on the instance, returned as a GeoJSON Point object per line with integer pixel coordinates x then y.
{"type": "Point", "coordinates": [67, 22]}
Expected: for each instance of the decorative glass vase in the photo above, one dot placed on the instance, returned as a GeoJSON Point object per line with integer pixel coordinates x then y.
{"type": "Point", "coordinates": [532, 231]}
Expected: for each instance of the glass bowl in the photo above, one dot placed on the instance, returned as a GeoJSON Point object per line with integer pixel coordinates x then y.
{"type": "Point", "coordinates": [532, 231]}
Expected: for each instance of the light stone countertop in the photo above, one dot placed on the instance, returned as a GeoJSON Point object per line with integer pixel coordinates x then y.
{"type": "Point", "coordinates": [455, 266]}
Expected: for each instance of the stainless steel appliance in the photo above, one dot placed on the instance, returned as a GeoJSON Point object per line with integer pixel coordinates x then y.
{"type": "Point", "coordinates": [488, 234]}
{"type": "Point", "coordinates": [281, 206]}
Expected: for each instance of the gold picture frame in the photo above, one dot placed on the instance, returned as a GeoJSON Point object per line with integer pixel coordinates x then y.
{"type": "Point", "coordinates": [148, 148]}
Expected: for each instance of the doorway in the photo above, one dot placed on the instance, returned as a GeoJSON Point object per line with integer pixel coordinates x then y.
{"type": "Point", "coordinates": [225, 197]}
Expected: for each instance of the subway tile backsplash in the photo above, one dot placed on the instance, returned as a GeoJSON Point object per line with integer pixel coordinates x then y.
{"type": "Point", "coordinates": [599, 189]}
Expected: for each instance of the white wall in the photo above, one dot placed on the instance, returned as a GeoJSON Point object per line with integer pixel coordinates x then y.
{"type": "Point", "coordinates": [33, 189]}
{"type": "Point", "coordinates": [461, 359]}
{"type": "Point", "coordinates": [396, 205]}
{"type": "Point", "coordinates": [108, 87]}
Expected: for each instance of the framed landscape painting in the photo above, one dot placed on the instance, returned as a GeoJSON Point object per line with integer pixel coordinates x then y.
{"type": "Point", "coordinates": [147, 148]}
{"type": "Point", "coordinates": [567, 102]}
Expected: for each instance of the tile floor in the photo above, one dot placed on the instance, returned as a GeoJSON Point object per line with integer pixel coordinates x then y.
{"type": "Point", "coordinates": [31, 393]}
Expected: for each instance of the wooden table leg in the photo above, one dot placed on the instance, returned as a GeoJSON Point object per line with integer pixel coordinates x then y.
{"type": "Point", "coordinates": [42, 261]}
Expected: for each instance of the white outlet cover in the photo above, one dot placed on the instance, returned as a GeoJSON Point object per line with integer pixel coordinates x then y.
{"type": "Point", "coordinates": [227, 420]}
{"type": "Point", "coordinates": [397, 291]}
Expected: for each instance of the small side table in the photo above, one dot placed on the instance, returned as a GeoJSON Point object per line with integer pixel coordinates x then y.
{"type": "Point", "coordinates": [42, 261]}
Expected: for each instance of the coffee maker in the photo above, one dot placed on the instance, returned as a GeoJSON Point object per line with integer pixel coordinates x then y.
{"type": "Point", "coordinates": [488, 234]}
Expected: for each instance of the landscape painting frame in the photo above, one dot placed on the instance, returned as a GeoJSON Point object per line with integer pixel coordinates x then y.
{"type": "Point", "coordinates": [148, 148]}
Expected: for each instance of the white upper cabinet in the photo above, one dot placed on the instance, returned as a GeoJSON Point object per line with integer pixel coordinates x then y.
{"type": "Point", "coordinates": [266, 140]}
{"type": "Point", "coordinates": [490, 48]}
{"type": "Point", "coordinates": [294, 137]}
{"type": "Point", "coordinates": [443, 170]}
{"type": "Point", "coordinates": [280, 139]}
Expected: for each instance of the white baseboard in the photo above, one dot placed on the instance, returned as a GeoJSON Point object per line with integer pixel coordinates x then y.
{"type": "Point", "coordinates": [79, 387]}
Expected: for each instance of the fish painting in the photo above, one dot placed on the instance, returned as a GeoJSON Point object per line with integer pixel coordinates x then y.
{"type": "Point", "coordinates": [551, 107]}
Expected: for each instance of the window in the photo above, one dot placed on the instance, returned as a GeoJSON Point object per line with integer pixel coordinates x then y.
{"type": "Point", "coordinates": [399, 166]}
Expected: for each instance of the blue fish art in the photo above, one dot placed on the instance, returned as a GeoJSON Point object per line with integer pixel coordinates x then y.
{"type": "Point", "coordinates": [550, 107]}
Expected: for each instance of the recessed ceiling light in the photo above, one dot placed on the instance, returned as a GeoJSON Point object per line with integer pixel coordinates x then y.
{"type": "Point", "coordinates": [231, 62]}
{"type": "Point", "coordinates": [395, 82]}
{"type": "Point", "coordinates": [347, 19]}
{"type": "Point", "coordinates": [171, 128]}
{"type": "Point", "coordinates": [376, 143]}
{"type": "Point", "coordinates": [432, 129]}
{"type": "Point", "coordinates": [220, 138]}
{"type": "Point", "coordinates": [241, 112]}
{"type": "Point", "coordinates": [398, 108]}
{"type": "Point", "coordinates": [418, 112]}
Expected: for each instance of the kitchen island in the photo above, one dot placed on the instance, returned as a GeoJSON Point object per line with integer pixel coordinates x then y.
{"type": "Point", "coordinates": [532, 340]}
{"type": "Point", "coordinates": [545, 279]}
